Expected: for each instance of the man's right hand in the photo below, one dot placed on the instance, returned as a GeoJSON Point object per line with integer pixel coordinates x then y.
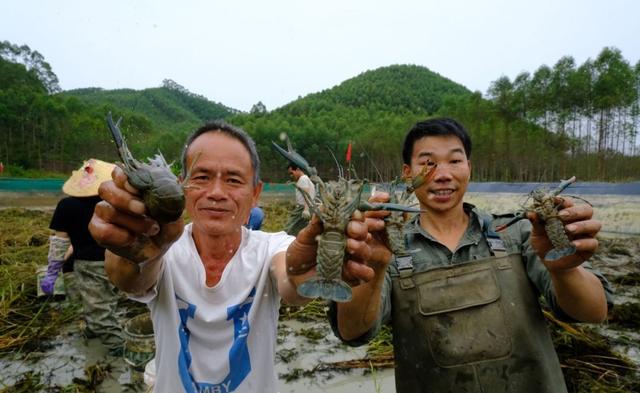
{"type": "Point", "coordinates": [356, 317]}
{"type": "Point", "coordinates": [120, 225]}
{"type": "Point", "coordinates": [379, 242]}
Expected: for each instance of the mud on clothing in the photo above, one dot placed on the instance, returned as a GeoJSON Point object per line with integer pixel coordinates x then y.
{"type": "Point", "coordinates": [220, 338]}
{"type": "Point", "coordinates": [429, 306]}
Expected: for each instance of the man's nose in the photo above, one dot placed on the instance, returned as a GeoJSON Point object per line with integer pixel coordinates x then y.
{"type": "Point", "coordinates": [215, 188]}
{"type": "Point", "coordinates": [442, 172]}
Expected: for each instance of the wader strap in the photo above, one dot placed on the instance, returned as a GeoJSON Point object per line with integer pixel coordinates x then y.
{"type": "Point", "coordinates": [405, 267]}
{"type": "Point", "coordinates": [496, 245]}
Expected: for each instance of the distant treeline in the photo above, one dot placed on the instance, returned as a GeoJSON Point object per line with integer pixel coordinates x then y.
{"type": "Point", "coordinates": [561, 121]}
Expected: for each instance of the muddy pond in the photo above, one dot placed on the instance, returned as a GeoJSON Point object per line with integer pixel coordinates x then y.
{"type": "Point", "coordinates": [55, 356]}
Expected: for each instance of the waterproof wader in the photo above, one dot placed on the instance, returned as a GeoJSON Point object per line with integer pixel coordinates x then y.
{"type": "Point", "coordinates": [477, 327]}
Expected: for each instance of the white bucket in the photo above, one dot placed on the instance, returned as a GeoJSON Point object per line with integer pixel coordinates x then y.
{"type": "Point", "coordinates": [139, 345]}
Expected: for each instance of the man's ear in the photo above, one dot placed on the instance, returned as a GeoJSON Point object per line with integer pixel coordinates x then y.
{"type": "Point", "coordinates": [406, 171]}
{"type": "Point", "coordinates": [257, 190]}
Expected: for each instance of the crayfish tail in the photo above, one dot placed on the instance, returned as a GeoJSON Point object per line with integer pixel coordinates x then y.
{"type": "Point", "coordinates": [558, 253]}
{"type": "Point", "coordinates": [336, 290]}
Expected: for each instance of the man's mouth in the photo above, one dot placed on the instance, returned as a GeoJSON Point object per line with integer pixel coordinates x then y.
{"type": "Point", "coordinates": [442, 192]}
{"type": "Point", "coordinates": [214, 209]}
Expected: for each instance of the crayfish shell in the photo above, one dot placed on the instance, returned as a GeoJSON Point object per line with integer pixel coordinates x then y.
{"type": "Point", "coordinates": [165, 209]}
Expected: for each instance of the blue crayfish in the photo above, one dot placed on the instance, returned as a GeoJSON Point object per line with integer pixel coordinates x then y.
{"type": "Point", "coordinates": [336, 201]}
{"type": "Point", "coordinates": [160, 189]}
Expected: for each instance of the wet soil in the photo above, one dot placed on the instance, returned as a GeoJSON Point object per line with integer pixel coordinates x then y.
{"type": "Point", "coordinates": [70, 362]}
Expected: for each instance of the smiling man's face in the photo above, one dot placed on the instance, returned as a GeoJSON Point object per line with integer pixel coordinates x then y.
{"type": "Point", "coordinates": [220, 192]}
{"type": "Point", "coordinates": [447, 188]}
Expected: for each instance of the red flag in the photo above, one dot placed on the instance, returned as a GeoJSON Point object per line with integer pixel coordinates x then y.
{"type": "Point", "coordinates": [349, 152]}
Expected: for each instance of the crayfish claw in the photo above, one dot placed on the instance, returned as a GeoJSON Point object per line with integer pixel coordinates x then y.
{"type": "Point", "coordinates": [426, 174]}
{"type": "Point", "coordinates": [296, 159]}
{"type": "Point", "coordinates": [392, 207]}
{"type": "Point", "coordinates": [563, 185]}
{"type": "Point", "coordinates": [115, 131]}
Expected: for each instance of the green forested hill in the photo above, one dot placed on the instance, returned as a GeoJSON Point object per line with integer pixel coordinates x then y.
{"type": "Point", "coordinates": [396, 88]}
{"type": "Point", "coordinates": [168, 108]}
{"type": "Point", "coordinates": [545, 125]}
{"type": "Point", "coordinates": [372, 111]}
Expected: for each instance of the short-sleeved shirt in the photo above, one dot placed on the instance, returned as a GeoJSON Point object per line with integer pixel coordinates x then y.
{"type": "Point", "coordinates": [306, 184]}
{"type": "Point", "coordinates": [220, 338]}
{"type": "Point", "coordinates": [428, 253]}
{"type": "Point", "coordinates": [72, 215]}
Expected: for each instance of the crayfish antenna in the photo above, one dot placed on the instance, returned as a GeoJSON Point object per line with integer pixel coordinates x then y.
{"type": "Point", "coordinates": [187, 174]}
{"type": "Point", "coordinates": [340, 169]}
{"type": "Point", "coordinates": [518, 217]}
{"type": "Point", "coordinates": [378, 173]}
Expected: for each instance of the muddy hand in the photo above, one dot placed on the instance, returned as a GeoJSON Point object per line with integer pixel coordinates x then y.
{"type": "Point", "coordinates": [378, 240]}
{"type": "Point", "coordinates": [301, 254]}
{"type": "Point", "coordinates": [580, 227]}
{"type": "Point", "coordinates": [119, 223]}
{"type": "Point", "coordinates": [356, 269]}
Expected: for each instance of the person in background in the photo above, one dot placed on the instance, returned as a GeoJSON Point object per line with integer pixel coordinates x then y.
{"type": "Point", "coordinates": [464, 303]}
{"type": "Point", "coordinates": [71, 243]}
{"type": "Point", "coordinates": [256, 217]}
{"type": "Point", "coordinates": [300, 215]}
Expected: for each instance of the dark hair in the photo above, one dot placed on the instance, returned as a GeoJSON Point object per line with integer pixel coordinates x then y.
{"type": "Point", "coordinates": [293, 167]}
{"type": "Point", "coordinates": [434, 127]}
{"type": "Point", "coordinates": [232, 131]}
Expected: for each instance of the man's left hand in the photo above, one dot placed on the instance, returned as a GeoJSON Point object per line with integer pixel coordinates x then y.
{"type": "Point", "coordinates": [581, 229]}
{"type": "Point", "coordinates": [301, 254]}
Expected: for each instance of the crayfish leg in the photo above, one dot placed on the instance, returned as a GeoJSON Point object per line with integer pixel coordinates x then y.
{"type": "Point", "coordinates": [519, 216]}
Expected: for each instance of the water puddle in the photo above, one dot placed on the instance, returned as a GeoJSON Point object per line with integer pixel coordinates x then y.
{"type": "Point", "coordinates": [62, 362]}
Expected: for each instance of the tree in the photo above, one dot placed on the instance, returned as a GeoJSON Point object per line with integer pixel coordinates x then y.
{"type": "Point", "coordinates": [614, 90]}
{"type": "Point", "coordinates": [258, 109]}
{"type": "Point", "coordinates": [33, 61]}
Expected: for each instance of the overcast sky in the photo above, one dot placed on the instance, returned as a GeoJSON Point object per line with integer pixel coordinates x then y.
{"type": "Point", "coordinates": [239, 52]}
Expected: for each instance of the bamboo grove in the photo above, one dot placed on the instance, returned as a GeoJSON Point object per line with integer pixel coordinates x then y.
{"type": "Point", "coordinates": [543, 125]}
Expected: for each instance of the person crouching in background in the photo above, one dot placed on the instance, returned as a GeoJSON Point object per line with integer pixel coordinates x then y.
{"type": "Point", "coordinates": [71, 247]}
